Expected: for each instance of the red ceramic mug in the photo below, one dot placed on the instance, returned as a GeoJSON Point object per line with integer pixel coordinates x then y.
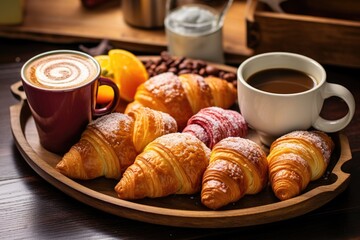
{"type": "Point", "coordinates": [61, 88]}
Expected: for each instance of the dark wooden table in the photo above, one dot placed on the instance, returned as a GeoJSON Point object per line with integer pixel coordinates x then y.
{"type": "Point", "coordinates": [31, 208]}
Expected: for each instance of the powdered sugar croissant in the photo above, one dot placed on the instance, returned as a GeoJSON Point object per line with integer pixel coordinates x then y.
{"type": "Point", "coordinates": [297, 158]}
{"type": "Point", "coordinates": [184, 95]}
{"type": "Point", "coordinates": [110, 143]}
{"type": "Point", "coordinates": [237, 167]}
{"type": "Point", "coordinates": [171, 164]}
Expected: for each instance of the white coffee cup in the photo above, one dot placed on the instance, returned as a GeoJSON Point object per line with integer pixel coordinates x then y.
{"type": "Point", "coordinates": [275, 114]}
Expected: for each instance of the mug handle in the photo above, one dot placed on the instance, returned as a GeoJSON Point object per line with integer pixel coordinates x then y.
{"type": "Point", "coordinates": [336, 90]}
{"type": "Point", "coordinates": [97, 112]}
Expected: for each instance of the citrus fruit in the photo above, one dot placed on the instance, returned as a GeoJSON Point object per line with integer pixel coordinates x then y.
{"type": "Point", "coordinates": [105, 94]}
{"type": "Point", "coordinates": [104, 61]}
{"type": "Point", "coordinates": [129, 72]}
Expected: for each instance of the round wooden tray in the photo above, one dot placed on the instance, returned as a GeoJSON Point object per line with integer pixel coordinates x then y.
{"type": "Point", "coordinates": [177, 210]}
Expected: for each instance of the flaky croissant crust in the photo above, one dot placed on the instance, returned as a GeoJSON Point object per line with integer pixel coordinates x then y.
{"type": "Point", "coordinates": [164, 93]}
{"type": "Point", "coordinates": [237, 167]}
{"type": "Point", "coordinates": [150, 124]}
{"type": "Point", "coordinates": [100, 148]}
{"type": "Point", "coordinates": [171, 164]}
{"type": "Point", "coordinates": [183, 96]}
{"type": "Point", "coordinates": [297, 158]}
{"type": "Point", "coordinates": [110, 143]}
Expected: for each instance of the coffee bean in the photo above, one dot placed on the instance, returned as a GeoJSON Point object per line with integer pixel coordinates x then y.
{"type": "Point", "coordinates": [212, 71]}
{"type": "Point", "coordinates": [221, 74]}
{"type": "Point", "coordinates": [196, 65]}
{"type": "Point", "coordinates": [183, 65]}
{"type": "Point", "coordinates": [229, 77]}
{"type": "Point", "coordinates": [176, 63]}
{"type": "Point", "coordinates": [173, 70]}
{"type": "Point", "coordinates": [195, 71]}
{"type": "Point", "coordinates": [184, 71]}
{"type": "Point", "coordinates": [202, 71]}
{"type": "Point", "coordinates": [152, 66]}
{"type": "Point", "coordinates": [147, 63]}
{"type": "Point", "coordinates": [161, 68]}
{"type": "Point", "coordinates": [169, 62]}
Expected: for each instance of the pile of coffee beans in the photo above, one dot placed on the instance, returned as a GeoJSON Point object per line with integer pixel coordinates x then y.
{"type": "Point", "coordinates": [182, 65]}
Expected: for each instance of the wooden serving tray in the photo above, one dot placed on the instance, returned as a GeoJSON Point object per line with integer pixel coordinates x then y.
{"type": "Point", "coordinates": [177, 210]}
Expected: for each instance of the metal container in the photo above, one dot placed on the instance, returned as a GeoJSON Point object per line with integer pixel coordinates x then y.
{"type": "Point", "coordinates": [144, 13]}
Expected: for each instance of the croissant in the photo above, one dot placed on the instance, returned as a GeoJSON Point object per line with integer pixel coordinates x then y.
{"type": "Point", "coordinates": [110, 143]}
{"type": "Point", "coordinates": [238, 166]}
{"type": "Point", "coordinates": [171, 164]}
{"type": "Point", "coordinates": [183, 96]}
{"type": "Point", "coordinates": [297, 158]}
{"type": "Point", "coordinates": [213, 124]}
{"type": "Point", "coordinates": [150, 124]}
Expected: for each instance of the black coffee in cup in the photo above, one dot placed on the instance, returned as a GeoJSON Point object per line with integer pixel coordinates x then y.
{"type": "Point", "coordinates": [281, 80]}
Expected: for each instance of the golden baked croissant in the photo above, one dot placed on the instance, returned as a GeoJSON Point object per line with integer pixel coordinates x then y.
{"type": "Point", "coordinates": [171, 164]}
{"type": "Point", "coordinates": [110, 143]}
{"type": "Point", "coordinates": [101, 150]}
{"type": "Point", "coordinates": [183, 96]}
{"type": "Point", "coordinates": [297, 158]}
{"type": "Point", "coordinates": [237, 166]}
{"type": "Point", "coordinates": [150, 124]}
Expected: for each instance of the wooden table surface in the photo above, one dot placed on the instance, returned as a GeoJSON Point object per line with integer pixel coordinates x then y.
{"type": "Point", "coordinates": [31, 208]}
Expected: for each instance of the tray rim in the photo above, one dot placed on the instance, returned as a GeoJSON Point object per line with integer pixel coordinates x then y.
{"type": "Point", "coordinates": [304, 203]}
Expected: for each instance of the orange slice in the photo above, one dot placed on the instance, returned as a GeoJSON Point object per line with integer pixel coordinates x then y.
{"type": "Point", "coordinates": [129, 72]}
{"type": "Point", "coordinates": [105, 93]}
{"type": "Point", "coordinates": [104, 61]}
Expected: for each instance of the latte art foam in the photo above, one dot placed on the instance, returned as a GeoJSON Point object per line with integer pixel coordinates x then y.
{"type": "Point", "coordinates": [61, 71]}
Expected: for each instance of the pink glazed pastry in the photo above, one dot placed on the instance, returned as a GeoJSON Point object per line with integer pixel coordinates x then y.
{"type": "Point", "coordinates": [213, 124]}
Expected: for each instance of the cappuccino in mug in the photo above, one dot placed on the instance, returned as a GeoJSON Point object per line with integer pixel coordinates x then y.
{"type": "Point", "coordinates": [61, 71]}
{"type": "Point", "coordinates": [61, 88]}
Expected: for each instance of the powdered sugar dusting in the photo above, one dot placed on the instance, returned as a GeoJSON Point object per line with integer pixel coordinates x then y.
{"type": "Point", "coordinates": [217, 123]}
{"type": "Point", "coordinates": [319, 139]}
{"type": "Point", "coordinates": [169, 123]}
{"type": "Point", "coordinates": [246, 147]}
{"type": "Point", "coordinates": [171, 140]}
{"type": "Point", "coordinates": [109, 124]}
{"type": "Point", "coordinates": [166, 85]}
